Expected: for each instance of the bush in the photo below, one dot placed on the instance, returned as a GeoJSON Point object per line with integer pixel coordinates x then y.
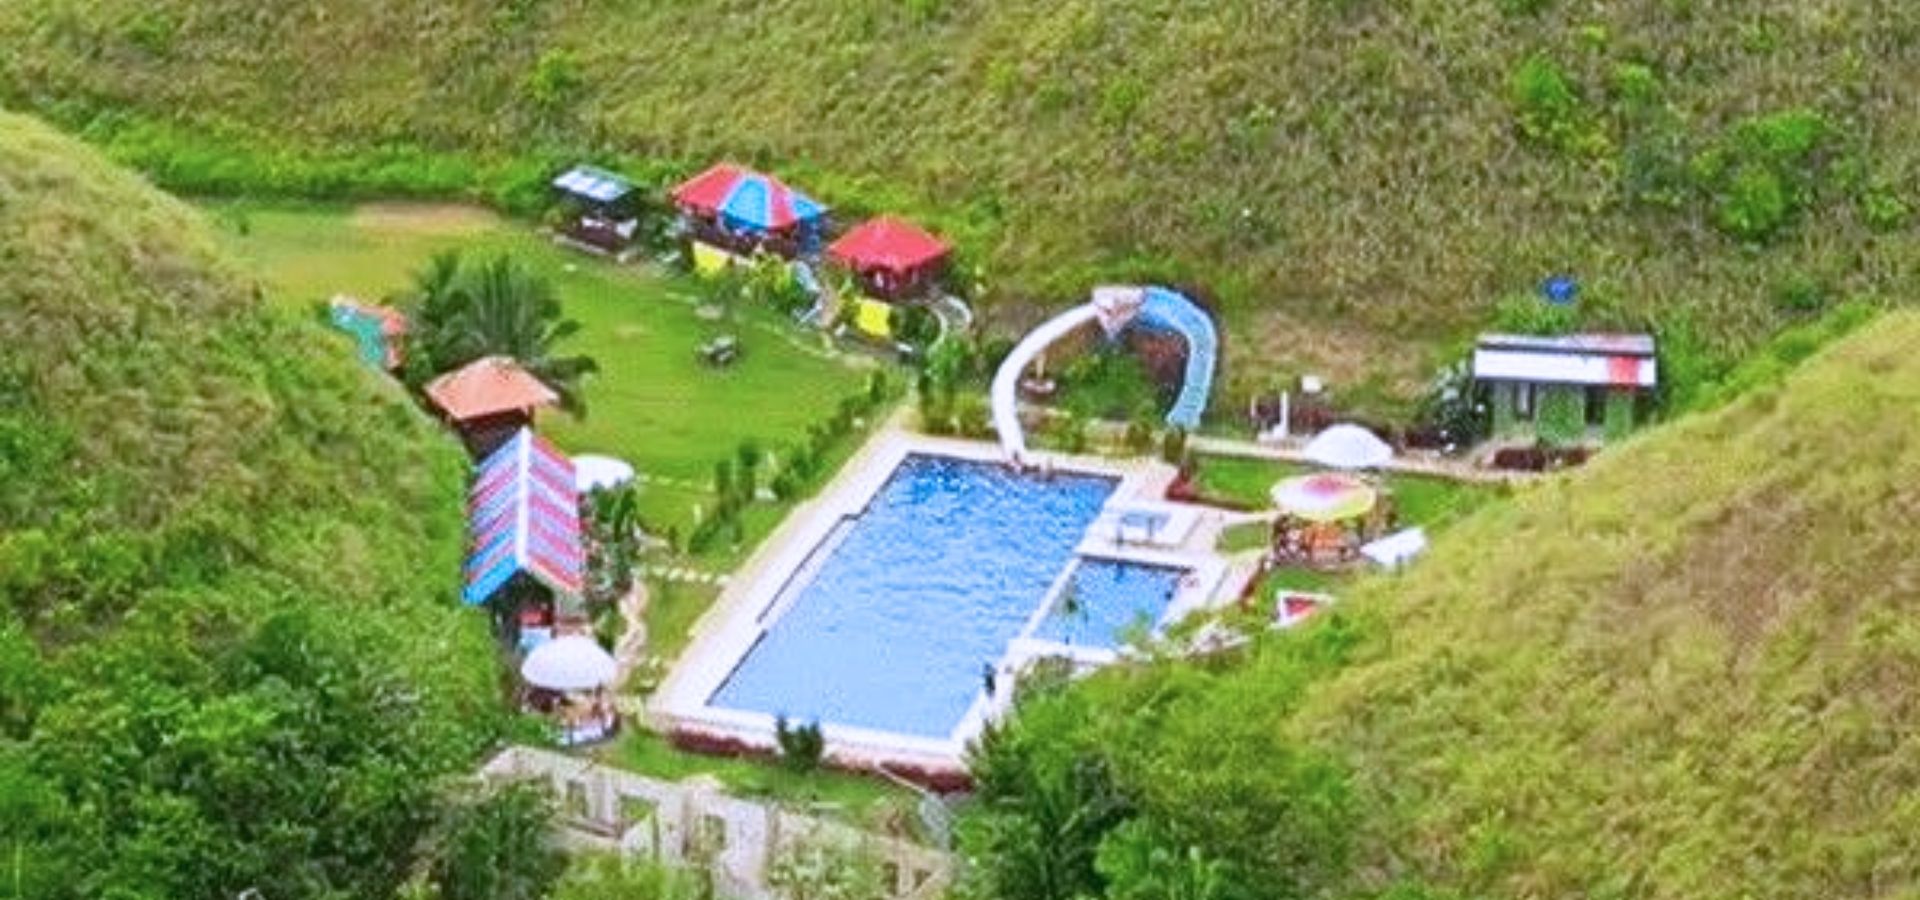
{"type": "Point", "coordinates": [1173, 446]}
{"type": "Point", "coordinates": [971, 417]}
{"type": "Point", "coordinates": [556, 81]}
{"type": "Point", "coordinates": [1528, 314]}
{"type": "Point", "coordinates": [802, 747]}
{"type": "Point", "coordinates": [1549, 108]}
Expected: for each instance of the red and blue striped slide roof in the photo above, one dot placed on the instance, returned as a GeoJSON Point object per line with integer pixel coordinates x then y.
{"type": "Point", "coordinates": [523, 515]}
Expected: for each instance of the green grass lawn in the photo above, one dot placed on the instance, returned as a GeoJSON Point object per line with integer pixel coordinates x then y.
{"type": "Point", "coordinates": [1244, 536]}
{"type": "Point", "coordinates": [859, 796]}
{"type": "Point", "coordinates": [672, 608]}
{"type": "Point", "coordinates": [652, 403]}
{"type": "Point", "coordinates": [1431, 503]}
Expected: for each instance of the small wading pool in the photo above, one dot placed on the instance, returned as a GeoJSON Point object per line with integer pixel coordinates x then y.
{"type": "Point", "coordinates": [1106, 600]}
{"type": "Point", "coordinates": [945, 567]}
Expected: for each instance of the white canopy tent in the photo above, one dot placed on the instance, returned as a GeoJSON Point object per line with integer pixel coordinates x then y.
{"type": "Point", "coordinates": [569, 663]}
{"type": "Point", "coordinates": [1396, 549]}
{"type": "Point", "coordinates": [592, 473]}
{"type": "Point", "coordinates": [1347, 446]}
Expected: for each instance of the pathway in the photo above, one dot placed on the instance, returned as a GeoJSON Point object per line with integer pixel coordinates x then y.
{"type": "Point", "coordinates": [631, 650]}
{"type": "Point", "coordinates": [682, 573]}
{"type": "Point", "coordinates": [1452, 469]}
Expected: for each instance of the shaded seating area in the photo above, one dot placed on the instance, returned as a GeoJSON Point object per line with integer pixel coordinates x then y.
{"type": "Point", "coordinates": [891, 258]}
{"type": "Point", "coordinates": [600, 210]}
{"type": "Point", "coordinates": [1325, 518]}
{"type": "Point", "coordinates": [523, 514]}
{"type": "Point", "coordinates": [568, 680]}
{"type": "Point", "coordinates": [734, 210]}
{"type": "Point", "coordinates": [488, 401]}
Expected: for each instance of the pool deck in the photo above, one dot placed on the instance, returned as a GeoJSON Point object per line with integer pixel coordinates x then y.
{"type": "Point", "coordinates": [774, 575]}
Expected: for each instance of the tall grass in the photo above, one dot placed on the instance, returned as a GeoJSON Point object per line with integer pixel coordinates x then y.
{"type": "Point", "coordinates": [1356, 182]}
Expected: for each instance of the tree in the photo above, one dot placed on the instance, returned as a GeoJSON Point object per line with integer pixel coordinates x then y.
{"type": "Point", "coordinates": [494, 843]}
{"type": "Point", "coordinates": [501, 308]}
{"type": "Point", "coordinates": [613, 540]}
{"type": "Point", "coordinates": [801, 746]}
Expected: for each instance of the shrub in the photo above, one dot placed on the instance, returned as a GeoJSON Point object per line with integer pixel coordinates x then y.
{"type": "Point", "coordinates": [802, 747]}
{"type": "Point", "coordinates": [1754, 205]}
{"type": "Point", "coordinates": [556, 80]}
{"type": "Point", "coordinates": [1799, 293]}
{"type": "Point", "coordinates": [1561, 420]}
{"type": "Point", "coordinates": [1173, 446]}
{"type": "Point", "coordinates": [1527, 314]}
{"type": "Point", "coordinates": [1548, 106]}
{"type": "Point", "coordinates": [971, 417]}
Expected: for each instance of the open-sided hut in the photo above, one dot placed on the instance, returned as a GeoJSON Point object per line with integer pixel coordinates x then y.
{"type": "Point", "coordinates": [732, 210]}
{"type": "Point", "coordinates": [600, 210]}
{"type": "Point", "coordinates": [891, 258]}
{"type": "Point", "coordinates": [489, 400]}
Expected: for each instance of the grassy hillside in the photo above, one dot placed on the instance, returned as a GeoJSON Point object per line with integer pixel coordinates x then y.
{"type": "Point", "coordinates": [1683, 671]}
{"type": "Point", "coordinates": [1686, 671]}
{"type": "Point", "coordinates": [230, 650]}
{"type": "Point", "coordinates": [1352, 179]}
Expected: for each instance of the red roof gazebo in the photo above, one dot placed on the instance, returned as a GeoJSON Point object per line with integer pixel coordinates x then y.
{"type": "Point", "coordinates": [892, 257]}
{"type": "Point", "coordinates": [489, 400]}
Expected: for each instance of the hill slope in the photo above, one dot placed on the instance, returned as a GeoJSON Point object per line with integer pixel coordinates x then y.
{"type": "Point", "coordinates": [1686, 671]}
{"type": "Point", "coordinates": [1351, 178]}
{"type": "Point", "coordinates": [230, 653]}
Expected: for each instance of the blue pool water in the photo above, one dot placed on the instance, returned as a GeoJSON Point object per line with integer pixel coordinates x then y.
{"type": "Point", "coordinates": [946, 565]}
{"type": "Point", "coordinates": [1109, 598]}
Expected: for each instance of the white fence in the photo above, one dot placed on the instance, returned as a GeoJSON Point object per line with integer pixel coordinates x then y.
{"type": "Point", "coordinates": [610, 810]}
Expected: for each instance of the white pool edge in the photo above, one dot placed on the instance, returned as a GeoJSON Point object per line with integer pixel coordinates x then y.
{"type": "Point", "coordinates": [723, 636]}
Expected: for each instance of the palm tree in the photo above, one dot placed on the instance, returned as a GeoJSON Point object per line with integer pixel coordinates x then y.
{"type": "Point", "coordinates": [500, 308]}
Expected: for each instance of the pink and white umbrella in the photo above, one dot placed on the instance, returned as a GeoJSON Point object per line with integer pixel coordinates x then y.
{"type": "Point", "coordinates": [1324, 497]}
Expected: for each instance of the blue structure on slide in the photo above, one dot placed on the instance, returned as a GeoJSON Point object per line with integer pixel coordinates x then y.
{"type": "Point", "coordinates": [1165, 310]}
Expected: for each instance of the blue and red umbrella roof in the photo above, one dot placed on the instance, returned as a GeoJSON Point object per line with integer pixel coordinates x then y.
{"type": "Point", "coordinates": [747, 199]}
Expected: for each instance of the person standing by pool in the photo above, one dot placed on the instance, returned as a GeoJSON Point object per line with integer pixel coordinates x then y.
{"type": "Point", "coordinates": [988, 677]}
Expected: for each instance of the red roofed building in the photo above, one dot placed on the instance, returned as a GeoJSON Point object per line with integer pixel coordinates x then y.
{"type": "Point", "coordinates": [488, 400]}
{"type": "Point", "coordinates": [892, 258]}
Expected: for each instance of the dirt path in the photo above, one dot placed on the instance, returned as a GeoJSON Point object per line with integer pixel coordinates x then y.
{"type": "Point", "coordinates": [631, 650]}
{"type": "Point", "coordinates": [425, 218]}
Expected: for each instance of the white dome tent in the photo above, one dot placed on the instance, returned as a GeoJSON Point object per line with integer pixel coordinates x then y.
{"type": "Point", "coordinates": [592, 473]}
{"type": "Point", "coordinates": [569, 663]}
{"type": "Point", "coordinates": [1347, 446]}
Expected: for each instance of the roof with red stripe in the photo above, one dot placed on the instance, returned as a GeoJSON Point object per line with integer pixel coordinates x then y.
{"type": "Point", "coordinates": [523, 515]}
{"type": "Point", "coordinates": [889, 243]}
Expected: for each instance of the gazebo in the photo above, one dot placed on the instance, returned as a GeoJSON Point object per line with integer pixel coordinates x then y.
{"type": "Point", "coordinates": [1324, 518]}
{"type": "Point", "coordinates": [602, 213]}
{"type": "Point", "coordinates": [488, 400]}
{"type": "Point", "coordinates": [892, 258]}
{"type": "Point", "coordinates": [567, 679]}
{"type": "Point", "coordinates": [734, 210]}
{"type": "Point", "coordinates": [524, 536]}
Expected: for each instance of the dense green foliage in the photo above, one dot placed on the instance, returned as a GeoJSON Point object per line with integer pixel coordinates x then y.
{"type": "Point", "coordinates": [230, 650]}
{"type": "Point", "coordinates": [1680, 157]}
{"type": "Point", "coordinates": [493, 842]}
{"type": "Point", "coordinates": [1682, 671]}
{"type": "Point", "coordinates": [460, 313]}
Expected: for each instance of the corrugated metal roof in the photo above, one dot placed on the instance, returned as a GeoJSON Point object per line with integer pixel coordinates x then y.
{"type": "Point", "coordinates": [593, 183]}
{"type": "Point", "coordinates": [1562, 367]}
{"type": "Point", "coordinates": [1610, 344]}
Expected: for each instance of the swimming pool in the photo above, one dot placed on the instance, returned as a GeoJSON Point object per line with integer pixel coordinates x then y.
{"type": "Point", "coordinates": [925, 588]}
{"type": "Point", "coordinates": [1106, 599]}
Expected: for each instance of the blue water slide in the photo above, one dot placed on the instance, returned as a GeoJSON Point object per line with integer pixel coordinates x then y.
{"type": "Point", "coordinates": [1167, 310]}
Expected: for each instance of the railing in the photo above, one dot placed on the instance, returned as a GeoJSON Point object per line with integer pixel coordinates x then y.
{"type": "Point", "coordinates": [693, 824]}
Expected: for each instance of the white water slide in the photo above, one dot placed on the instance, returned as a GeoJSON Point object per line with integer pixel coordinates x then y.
{"type": "Point", "coordinates": [1114, 308]}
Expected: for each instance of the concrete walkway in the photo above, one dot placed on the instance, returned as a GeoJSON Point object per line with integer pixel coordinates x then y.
{"type": "Point", "coordinates": [631, 650]}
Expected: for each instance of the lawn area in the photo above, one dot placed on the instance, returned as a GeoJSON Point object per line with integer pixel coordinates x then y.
{"type": "Point", "coordinates": [1431, 503]}
{"type": "Point", "coordinates": [859, 796]}
{"type": "Point", "coordinates": [672, 608]}
{"type": "Point", "coordinates": [652, 403]}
